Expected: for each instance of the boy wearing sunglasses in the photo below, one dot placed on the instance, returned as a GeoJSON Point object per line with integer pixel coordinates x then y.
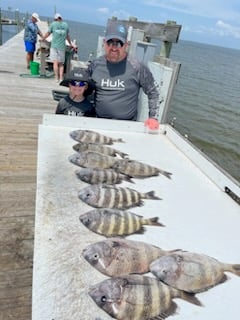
{"type": "Point", "coordinates": [118, 79]}
{"type": "Point", "coordinates": [76, 102]}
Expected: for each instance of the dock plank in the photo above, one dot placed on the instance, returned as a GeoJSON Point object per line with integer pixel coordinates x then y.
{"type": "Point", "coordinates": [24, 99]}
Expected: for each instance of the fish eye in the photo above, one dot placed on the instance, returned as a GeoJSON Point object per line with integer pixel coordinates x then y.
{"type": "Point", "coordinates": [164, 271]}
{"type": "Point", "coordinates": [87, 221]}
{"type": "Point", "coordinates": [95, 256]}
{"type": "Point", "coordinates": [179, 259]}
{"type": "Point", "coordinates": [103, 299]}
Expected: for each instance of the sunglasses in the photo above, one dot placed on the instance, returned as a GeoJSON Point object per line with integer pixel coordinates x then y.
{"type": "Point", "coordinates": [115, 43]}
{"type": "Point", "coordinates": [76, 83]}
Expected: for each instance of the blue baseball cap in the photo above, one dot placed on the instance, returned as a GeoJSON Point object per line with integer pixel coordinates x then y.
{"type": "Point", "coordinates": [116, 30]}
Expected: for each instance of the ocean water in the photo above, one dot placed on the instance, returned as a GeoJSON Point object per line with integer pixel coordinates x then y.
{"type": "Point", "coordinates": [206, 101]}
{"type": "Point", "coordinates": [205, 104]}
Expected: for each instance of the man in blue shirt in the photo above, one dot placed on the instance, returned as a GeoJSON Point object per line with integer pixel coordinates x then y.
{"type": "Point", "coordinates": [31, 32]}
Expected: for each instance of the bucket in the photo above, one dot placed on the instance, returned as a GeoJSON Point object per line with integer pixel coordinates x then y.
{"type": "Point", "coordinates": [34, 68]}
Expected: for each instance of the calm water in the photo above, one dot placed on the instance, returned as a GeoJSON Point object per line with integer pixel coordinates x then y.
{"type": "Point", "coordinates": [206, 99]}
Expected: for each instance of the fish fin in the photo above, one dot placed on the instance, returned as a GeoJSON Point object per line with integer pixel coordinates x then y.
{"type": "Point", "coordinates": [128, 178]}
{"type": "Point", "coordinates": [190, 297]}
{"type": "Point", "coordinates": [175, 251]}
{"type": "Point", "coordinates": [166, 174]}
{"type": "Point", "coordinates": [141, 203]}
{"type": "Point", "coordinates": [151, 195]}
{"type": "Point", "coordinates": [121, 154]}
{"type": "Point", "coordinates": [140, 231]}
{"type": "Point", "coordinates": [116, 244]}
{"type": "Point", "coordinates": [145, 177]}
{"type": "Point", "coordinates": [107, 186]}
{"type": "Point", "coordinates": [235, 268]}
{"type": "Point", "coordinates": [171, 311]}
{"type": "Point", "coordinates": [154, 222]}
{"type": "Point", "coordinates": [224, 278]}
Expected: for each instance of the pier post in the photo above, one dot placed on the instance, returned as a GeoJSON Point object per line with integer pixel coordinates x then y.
{"type": "Point", "coordinates": [166, 46]}
{"type": "Point", "coordinates": [0, 26]}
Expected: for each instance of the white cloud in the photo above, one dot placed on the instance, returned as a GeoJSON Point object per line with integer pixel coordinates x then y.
{"type": "Point", "coordinates": [221, 29]}
{"type": "Point", "coordinates": [120, 14]}
{"type": "Point", "coordinates": [228, 10]}
{"type": "Point", "coordinates": [103, 10]}
{"type": "Point", "coordinates": [225, 29]}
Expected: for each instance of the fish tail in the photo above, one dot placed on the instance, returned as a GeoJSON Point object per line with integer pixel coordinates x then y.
{"type": "Point", "coordinates": [235, 268]}
{"type": "Point", "coordinates": [191, 298]}
{"type": "Point", "coordinates": [151, 195]}
{"type": "Point", "coordinates": [119, 140]}
{"type": "Point", "coordinates": [153, 222]}
{"type": "Point", "coordinates": [166, 174]}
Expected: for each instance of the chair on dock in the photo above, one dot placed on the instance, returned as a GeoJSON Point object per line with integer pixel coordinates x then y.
{"type": "Point", "coordinates": [58, 95]}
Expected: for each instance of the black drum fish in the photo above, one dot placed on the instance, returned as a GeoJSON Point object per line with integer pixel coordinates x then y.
{"type": "Point", "coordinates": [101, 176]}
{"type": "Point", "coordinates": [91, 159]}
{"type": "Point", "coordinates": [118, 256]}
{"type": "Point", "coordinates": [114, 222]}
{"type": "Point", "coordinates": [106, 196]}
{"type": "Point", "coordinates": [191, 272]}
{"type": "Point", "coordinates": [101, 148]}
{"type": "Point", "coordinates": [138, 169]}
{"type": "Point", "coordinates": [137, 297]}
{"type": "Point", "coordinates": [90, 136]}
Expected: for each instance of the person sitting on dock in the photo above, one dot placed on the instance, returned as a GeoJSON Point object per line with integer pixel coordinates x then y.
{"type": "Point", "coordinates": [76, 102]}
{"type": "Point", "coordinates": [31, 32]}
{"type": "Point", "coordinates": [118, 79]}
{"type": "Point", "coordinates": [60, 33]}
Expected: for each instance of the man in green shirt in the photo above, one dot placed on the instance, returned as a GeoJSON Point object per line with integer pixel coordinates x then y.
{"type": "Point", "coordinates": [60, 33]}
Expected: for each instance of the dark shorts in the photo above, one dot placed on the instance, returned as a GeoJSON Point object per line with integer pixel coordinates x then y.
{"type": "Point", "coordinates": [30, 46]}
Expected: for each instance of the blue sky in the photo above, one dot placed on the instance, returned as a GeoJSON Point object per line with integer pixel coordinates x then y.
{"type": "Point", "coordinates": [208, 21]}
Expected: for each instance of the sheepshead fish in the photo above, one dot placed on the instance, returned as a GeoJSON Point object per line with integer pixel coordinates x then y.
{"type": "Point", "coordinates": [101, 176]}
{"type": "Point", "coordinates": [101, 148]}
{"type": "Point", "coordinates": [138, 169]}
{"type": "Point", "coordinates": [90, 159]}
{"type": "Point", "coordinates": [119, 256]}
{"type": "Point", "coordinates": [90, 136]}
{"type": "Point", "coordinates": [191, 272]}
{"type": "Point", "coordinates": [114, 222]}
{"type": "Point", "coordinates": [137, 297]}
{"type": "Point", "coordinates": [106, 196]}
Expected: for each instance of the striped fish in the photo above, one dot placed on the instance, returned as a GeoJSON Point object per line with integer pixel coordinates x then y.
{"type": "Point", "coordinates": [119, 256]}
{"type": "Point", "coordinates": [101, 176]}
{"type": "Point", "coordinates": [138, 169]}
{"type": "Point", "coordinates": [82, 146]}
{"type": "Point", "coordinates": [114, 222]}
{"type": "Point", "coordinates": [90, 159]}
{"type": "Point", "coordinates": [137, 297]}
{"type": "Point", "coordinates": [106, 196]}
{"type": "Point", "coordinates": [192, 272]}
{"type": "Point", "coordinates": [90, 136]}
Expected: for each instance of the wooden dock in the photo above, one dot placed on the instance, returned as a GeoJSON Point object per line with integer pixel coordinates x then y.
{"type": "Point", "coordinates": [24, 99]}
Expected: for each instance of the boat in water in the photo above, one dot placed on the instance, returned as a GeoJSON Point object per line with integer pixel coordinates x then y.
{"type": "Point", "coordinates": [199, 205]}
